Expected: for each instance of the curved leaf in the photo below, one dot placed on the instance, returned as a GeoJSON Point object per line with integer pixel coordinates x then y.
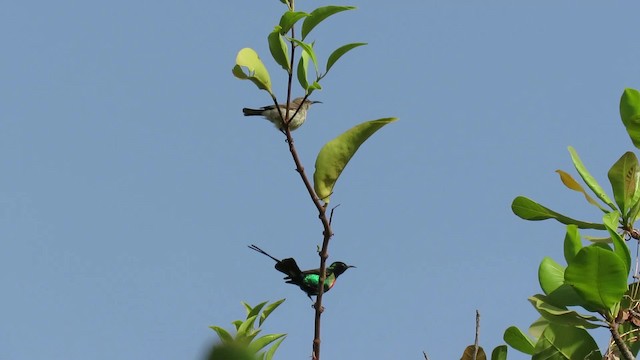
{"type": "Point", "coordinates": [590, 180]}
{"type": "Point", "coordinates": [499, 353]}
{"type": "Point", "coordinates": [572, 243]}
{"type": "Point", "coordinates": [566, 342]}
{"type": "Point", "coordinates": [620, 248]}
{"type": "Point", "coordinates": [307, 48]}
{"type": "Point", "coordinates": [335, 155]}
{"type": "Point", "coordinates": [630, 114]}
{"type": "Point", "coordinates": [255, 310]}
{"type": "Point", "coordinates": [264, 341]}
{"type": "Point", "coordinates": [337, 53]}
{"type": "Point", "coordinates": [289, 19]}
{"type": "Point", "coordinates": [550, 275]}
{"type": "Point", "coordinates": [537, 327]}
{"type": "Point", "coordinates": [272, 350]}
{"type": "Point", "coordinates": [303, 66]}
{"type": "Point", "coordinates": [318, 15]}
{"type": "Point", "coordinates": [269, 309]}
{"type": "Point", "coordinates": [258, 73]}
{"type": "Point", "coordinates": [599, 276]}
{"type": "Point", "coordinates": [279, 49]}
{"type": "Point", "coordinates": [246, 328]}
{"type": "Point", "coordinates": [518, 340]}
{"type": "Point", "coordinates": [561, 315]}
{"type": "Point", "coordinates": [530, 210]}
{"type": "Point", "coordinates": [224, 335]}
{"type": "Point", "coordinates": [572, 184]}
{"type": "Point", "coordinates": [623, 177]}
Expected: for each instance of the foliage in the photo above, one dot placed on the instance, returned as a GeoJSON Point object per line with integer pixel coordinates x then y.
{"type": "Point", "coordinates": [591, 290]}
{"type": "Point", "coordinates": [245, 344]}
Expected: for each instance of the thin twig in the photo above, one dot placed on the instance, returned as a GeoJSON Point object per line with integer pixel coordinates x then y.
{"type": "Point", "coordinates": [331, 216]}
{"type": "Point", "coordinates": [425, 355]}
{"type": "Point", "coordinates": [475, 351]}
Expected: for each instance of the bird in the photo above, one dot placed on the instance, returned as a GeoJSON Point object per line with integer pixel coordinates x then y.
{"type": "Point", "coordinates": [297, 113]}
{"type": "Point", "coordinates": [307, 280]}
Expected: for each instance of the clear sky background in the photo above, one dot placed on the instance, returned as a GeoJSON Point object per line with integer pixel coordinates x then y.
{"type": "Point", "coordinates": [131, 184]}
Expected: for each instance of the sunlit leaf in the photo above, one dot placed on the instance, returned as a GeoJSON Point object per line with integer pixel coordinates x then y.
{"type": "Point", "coordinates": [337, 54]}
{"type": "Point", "coordinates": [550, 275]}
{"type": "Point", "coordinates": [335, 155]}
{"type": "Point", "coordinates": [308, 48]}
{"type": "Point", "coordinates": [630, 114]}
{"type": "Point", "coordinates": [572, 243]}
{"type": "Point", "coordinates": [598, 275]}
{"type": "Point", "coordinates": [566, 342]}
{"type": "Point", "coordinates": [499, 353]}
{"type": "Point", "coordinates": [623, 176]}
{"type": "Point", "coordinates": [257, 72]}
{"type": "Point", "coordinates": [264, 341]}
{"type": "Point", "coordinates": [279, 49]}
{"type": "Point", "coordinates": [561, 315]}
{"type": "Point", "coordinates": [272, 350]}
{"type": "Point", "coordinates": [619, 245]}
{"type": "Point", "coordinates": [470, 350]}
{"type": "Point", "coordinates": [530, 210]}
{"type": "Point", "coordinates": [318, 15]}
{"type": "Point", "coordinates": [224, 335]}
{"type": "Point", "coordinates": [303, 65]}
{"type": "Point", "coordinates": [269, 309]}
{"type": "Point", "coordinates": [518, 340]}
{"type": "Point", "coordinates": [289, 19]}
{"type": "Point", "coordinates": [590, 180]}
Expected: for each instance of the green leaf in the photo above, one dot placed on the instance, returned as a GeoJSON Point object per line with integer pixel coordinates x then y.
{"type": "Point", "coordinates": [256, 309]}
{"type": "Point", "coordinates": [230, 351]}
{"type": "Point", "coordinates": [335, 155]}
{"type": "Point", "coordinates": [264, 341]}
{"type": "Point", "coordinates": [590, 180]}
{"type": "Point", "coordinates": [565, 342]}
{"type": "Point", "coordinates": [599, 277]}
{"type": "Point", "coordinates": [269, 354]}
{"type": "Point", "coordinates": [307, 48]}
{"type": "Point", "coordinates": [630, 114]}
{"type": "Point", "coordinates": [224, 335]}
{"type": "Point", "coordinates": [279, 49]}
{"type": "Point", "coordinates": [530, 210]}
{"type": "Point", "coordinates": [623, 176]}
{"type": "Point", "coordinates": [537, 327]}
{"type": "Point", "coordinates": [499, 353]}
{"type": "Point", "coordinates": [518, 340]}
{"type": "Point", "coordinates": [269, 309]}
{"type": "Point", "coordinates": [237, 324]}
{"type": "Point", "coordinates": [620, 247]}
{"type": "Point", "coordinates": [561, 315]}
{"type": "Point", "coordinates": [470, 350]}
{"type": "Point", "coordinates": [572, 243]}
{"type": "Point", "coordinates": [257, 72]}
{"type": "Point", "coordinates": [337, 53]}
{"type": "Point", "coordinates": [572, 184]}
{"type": "Point", "coordinates": [564, 296]}
{"type": "Point", "coordinates": [550, 275]}
{"type": "Point", "coordinates": [318, 15]}
{"type": "Point", "coordinates": [303, 65]}
{"type": "Point", "coordinates": [289, 19]}
{"type": "Point", "coordinates": [246, 328]}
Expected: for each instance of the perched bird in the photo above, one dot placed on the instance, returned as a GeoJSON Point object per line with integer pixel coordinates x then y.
{"type": "Point", "coordinates": [271, 113]}
{"type": "Point", "coordinates": [307, 280]}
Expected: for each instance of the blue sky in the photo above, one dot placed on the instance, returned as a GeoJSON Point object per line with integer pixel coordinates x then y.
{"type": "Point", "coordinates": [131, 183]}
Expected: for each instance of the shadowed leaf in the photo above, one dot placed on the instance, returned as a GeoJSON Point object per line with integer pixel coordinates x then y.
{"type": "Point", "coordinates": [630, 114]}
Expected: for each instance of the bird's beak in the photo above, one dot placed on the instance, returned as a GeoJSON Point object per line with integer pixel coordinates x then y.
{"type": "Point", "coordinates": [316, 102]}
{"type": "Point", "coordinates": [350, 266]}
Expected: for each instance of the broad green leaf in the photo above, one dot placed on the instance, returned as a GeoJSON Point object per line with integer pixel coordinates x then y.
{"type": "Point", "coordinates": [337, 54]}
{"type": "Point", "coordinates": [272, 350]}
{"type": "Point", "coordinates": [308, 48]}
{"type": "Point", "coordinates": [257, 73]}
{"type": "Point", "coordinates": [566, 342]}
{"type": "Point", "coordinates": [550, 275]}
{"type": "Point", "coordinates": [518, 340]}
{"type": "Point", "coordinates": [630, 114]}
{"type": "Point", "coordinates": [561, 315]}
{"type": "Point", "coordinates": [224, 335]}
{"type": "Point", "coordinates": [303, 65]}
{"type": "Point", "coordinates": [499, 353]}
{"type": "Point", "coordinates": [599, 276]}
{"type": "Point", "coordinates": [269, 309]}
{"type": "Point", "coordinates": [590, 180]}
{"type": "Point", "coordinates": [623, 176]}
{"type": "Point", "coordinates": [572, 184]}
{"type": "Point", "coordinates": [318, 15]}
{"type": "Point", "coordinates": [537, 327]}
{"type": "Point", "coordinates": [572, 243]}
{"type": "Point", "coordinates": [245, 329]}
{"type": "Point", "coordinates": [279, 49]}
{"type": "Point", "coordinates": [289, 19]}
{"type": "Point", "coordinates": [470, 350]}
{"type": "Point", "coordinates": [264, 341]}
{"type": "Point", "coordinates": [335, 155]}
{"type": "Point", "coordinates": [565, 295]}
{"type": "Point", "coordinates": [620, 248]}
{"type": "Point", "coordinates": [237, 323]}
{"type": "Point", "coordinates": [530, 210]}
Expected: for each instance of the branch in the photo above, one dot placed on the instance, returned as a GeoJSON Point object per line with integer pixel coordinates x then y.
{"type": "Point", "coordinates": [475, 352]}
{"type": "Point", "coordinates": [622, 347]}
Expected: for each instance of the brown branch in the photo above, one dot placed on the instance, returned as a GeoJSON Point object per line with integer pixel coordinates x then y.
{"type": "Point", "coordinates": [475, 351]}
{"type": "Point", "coordinates": [622, 347]}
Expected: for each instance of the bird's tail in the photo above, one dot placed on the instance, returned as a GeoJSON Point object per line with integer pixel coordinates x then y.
{"type": "Point", "coordinates": [290, 267]}
{"type": "Point", "coordinates": [252, 112]}
{"type": "Point", "coordinates": [255, 248]}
